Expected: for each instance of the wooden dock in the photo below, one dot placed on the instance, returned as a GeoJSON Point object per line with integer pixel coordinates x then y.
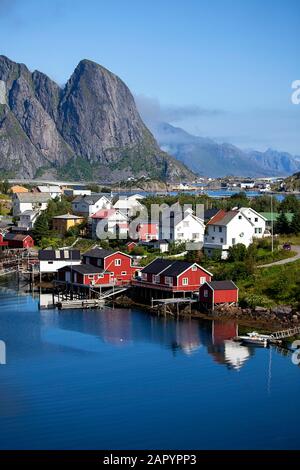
{"type": "Point", "coordinates": [164, 304]}
{"type": "Point", "coordinates": [82, 304]}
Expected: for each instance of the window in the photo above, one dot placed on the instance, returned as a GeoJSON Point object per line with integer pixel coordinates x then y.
{"type": "Point", "coordinates": [205, 293]}
{"type": "Point", "coordinates": [222, 240]}
{"type": "Point", "coordinates": [186, 224]}
{"type": "Point", "coordinates": [195, 235]}
{"type": "Point", "coordinates": [214, 228]}
{"type": "Point", "coordinates": [123, 273]}
{"type": "Point", "coordinates": [50, 262]}
{"type": "Point", "coordinates": [169, 280]}
{"type": "Point", "coordinates": [220, 229]}
{"type": "Point", "coordinates": [256, 219]}
{"type": "Point", "coordinates": [202, 280]}
{"type": "Point", "coordinates": [91, 276]}
{"type": "Point", "coordinates": [117, 262]}
{"type": "Point", "coordinates": [233, 241]}
{"type": "Point", "coordinates": [100, 276]}
{"type": "Point", "coordinates": [156, 279]}
{"type": "Point", "coordinates": [144, 276]}
{"type": "Point", "coordinates": [212, 238]}
{"type": "Point", "coordinates": [240, 217]}
{"type": "Point", "coordinates": [194, 268]}
{"type": "Point", "coordinates": [185, 281]}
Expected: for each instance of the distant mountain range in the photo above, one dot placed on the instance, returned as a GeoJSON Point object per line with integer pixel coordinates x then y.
{"type": "Point", "coordinates": [207, 157]}
{"type": "Point", "coordinates": [88, 129]}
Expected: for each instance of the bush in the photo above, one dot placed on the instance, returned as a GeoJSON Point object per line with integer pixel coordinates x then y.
{"type": "Point", "coordinates": [237, 252]}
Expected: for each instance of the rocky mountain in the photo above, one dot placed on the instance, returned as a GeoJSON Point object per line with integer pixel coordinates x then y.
{"type": "Point", "coordinates": [207, 157]}
{"type": "Point", "coordinates": [89, 129]}
{"type": "Point", "coordinates": [292, 183]}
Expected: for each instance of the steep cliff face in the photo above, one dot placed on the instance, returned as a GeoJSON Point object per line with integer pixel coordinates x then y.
{"type": "Point", "coordinates": [89, 129]}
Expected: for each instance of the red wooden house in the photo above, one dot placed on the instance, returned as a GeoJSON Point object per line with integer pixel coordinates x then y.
{"type": "Point", "coordinates": [116, 262]}
{"type": "Point", "coordinates": [218, 292]}
{"type": "Point", "coordinates": [3, 244]}
{"type": "Point", "coordinates": [85, 275]}
{"type": "Point", "coordinates": [131, 245]}
{"type": "Point", "coordinates": [17, 240]}
{"type": "Point", "coordinates": [172, 276]}
{"type": "Point", "coordinates": [147, 231]}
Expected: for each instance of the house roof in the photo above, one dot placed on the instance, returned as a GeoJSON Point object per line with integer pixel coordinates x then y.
{"type": "Point", "coordinates": [67, 217]}
{"type": "Point", "coordinates": [59, 255]}
{"type": "Point", "coordinates": [84, 269]}
{"type": "Point", "coordinates": [18, 189]}
{"type": "Point", "coordinates": [33, 197]}
{"type": "Point", "coordinates": [222, 217]}
{"type": "Point", "coordinates": [106, 213]}
{"type": "Point", "coordinates": [168, 267]}
{"type": "Point", "coordinates": [209, 213]}
{"type": "Point", "coordinates": [244, 209]}
{"type": "Point", "coordinates": [49, 189]}
{"type": "Point", "coordinates": [269, 216]}
{"type": "Point", "coordinates": [99, 253]}
{"type": "Point", "coordinates": [91, 199]}
{"type": "Point", "coordinates": [222, 285]}
{"type": "Point", "coordinates": [157, 266]}
{"type": "Point", "coordinates": [16, 236]}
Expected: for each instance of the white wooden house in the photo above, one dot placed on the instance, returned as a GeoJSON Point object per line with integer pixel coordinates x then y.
{"type": "Point", "coordinates": [89, 205]}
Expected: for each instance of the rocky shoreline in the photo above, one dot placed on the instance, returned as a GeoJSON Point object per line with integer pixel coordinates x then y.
{"type": "Point", "coordinates": [280, 317]}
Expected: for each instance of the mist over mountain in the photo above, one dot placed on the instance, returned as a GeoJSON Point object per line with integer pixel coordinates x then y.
{"type": "Point", "coordinates": [209, 158]}
{"type": "Point", "coordinates": [89, 129]}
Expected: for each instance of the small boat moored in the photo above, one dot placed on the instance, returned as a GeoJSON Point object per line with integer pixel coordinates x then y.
{"type": "Point", "coordinates": [255, 338]}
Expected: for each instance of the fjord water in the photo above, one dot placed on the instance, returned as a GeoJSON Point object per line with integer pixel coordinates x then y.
{"type": "Point", "coordinates": [118, 378]}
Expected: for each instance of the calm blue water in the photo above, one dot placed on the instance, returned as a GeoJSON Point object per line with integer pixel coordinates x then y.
{"type": "Point", "coordinates": [124, 379]}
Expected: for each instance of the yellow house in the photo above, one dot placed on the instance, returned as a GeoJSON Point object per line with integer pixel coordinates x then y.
{"type": "Point", "coordinates": [18, 189]}
{"type": "Point", "coordinates": [62, 223]}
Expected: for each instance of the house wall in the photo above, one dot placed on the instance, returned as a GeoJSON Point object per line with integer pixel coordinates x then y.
{"type": "Point", "coordinates": [124, 272]}
{"type": "Point", "coordinates": [54, 266]}
{"type": "Point", "coordinates": [190, 228]}
{"type": "Point", "coordinates": [83, 208]}
{"type": "Point", "coordinates": [258, 221]}
{"type": "Point", "coordinates": [223, 296]}
{"type": "Point", "coordinates": [195, 278]}
{"type": "Point", "coordinates": [63, 225]}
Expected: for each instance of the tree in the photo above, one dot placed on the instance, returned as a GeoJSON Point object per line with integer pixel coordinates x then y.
{"type": "Point", "coordinates": [237, 252]}
{"type": "Point", "coordinates": [295, 223]}
{"type": "Point", "coordinates": [282, 225]}
{"type": "Point", "coordinates": [41, 227]}
{"type": "Point", "coordinates": [5, 186]}
{"type": "Point", "coordinates": [290, 204]}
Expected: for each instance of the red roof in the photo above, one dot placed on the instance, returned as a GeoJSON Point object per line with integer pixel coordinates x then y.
{"type": "Point", "coordinates": [222, 217]}
{"type": "Point", "coordinates": [104, 213]}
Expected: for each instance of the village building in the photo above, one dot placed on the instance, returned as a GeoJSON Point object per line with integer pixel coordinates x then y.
{"type": "Point", "coordinates": [3, 244]}
{"type": "Point", "coordinates": [18, 189]}
{"type": "Point", "coordinates": [77, 191]}
{"type": "Point", "coordinates": [118, 263]}
{"type": "Point", "coordinates": [85, 275]}
{"type": "Point", "coordinates": [20, 241]}
{"type": "Point", "coordinates": [53, 190]}
{"type": "Point", "coordinates": [212, 293]}
{"type": "Point", "coordinates": [62, 223]}
{"type": "Point", "coordinates": [182, 229]}
{"type": "Point", "coordinates": [89, 205]}
{"type": "Point", "coordinates": [258, 221]}
{"type": "Point", "coordinates": [50, 261]}
{"type": "Point", "coordinates": [27, 220]}
{"type": "Point", "coordinates": [29, 202]}
{"type": "Point", "coordinates": [161, 245]}
{"type": "Point", "coordinates": [271, 218]}
{"type": "Point", "coordinates": [131, 245]}
{"type": "Point", "coordinates": [129, 206]}
{"type": "Point", "coordinates": [225, 230]}
{"type": "Point", "coordinates": [109, 223]}
{"type": "Point", "coordinates": [168, 277]}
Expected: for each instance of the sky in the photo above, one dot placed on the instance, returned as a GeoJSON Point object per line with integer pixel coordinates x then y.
{"type": "Point", "coordinates": [217, 68]}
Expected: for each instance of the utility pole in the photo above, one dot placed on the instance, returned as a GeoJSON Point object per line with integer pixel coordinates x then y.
{"type": "Point", "coordinates": [272, 223]}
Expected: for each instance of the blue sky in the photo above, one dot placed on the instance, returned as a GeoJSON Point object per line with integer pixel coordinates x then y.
{"type": "Point", "coordinates": [218, 68]}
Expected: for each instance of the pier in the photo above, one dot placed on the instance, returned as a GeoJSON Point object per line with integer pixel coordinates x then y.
{"type": "Point", "coordinates": [164, 304]}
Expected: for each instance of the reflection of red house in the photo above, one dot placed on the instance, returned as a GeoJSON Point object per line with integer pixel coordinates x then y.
{"type": "Point", "coordinates": [222, 331]}
{"type": "Point", "coordinates": [218, 292]}
{"type": "Point", "coordinates": [3, 244]}
{"type": "Point", "coordinates": [173, 276]}
{"type": "Point", "coordinates": [85, 275]}
{"type": "Point", "coordinates": [116, 262]}
{"type": "Point", "coordinates": [18, 240]}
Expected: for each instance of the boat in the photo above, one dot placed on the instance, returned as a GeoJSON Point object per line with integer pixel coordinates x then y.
{"type": "Point", "coordinates": [254, 338]}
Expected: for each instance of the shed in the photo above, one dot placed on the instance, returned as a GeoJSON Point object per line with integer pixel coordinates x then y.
{"type": "Point", "coordinates": [218, 292]}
